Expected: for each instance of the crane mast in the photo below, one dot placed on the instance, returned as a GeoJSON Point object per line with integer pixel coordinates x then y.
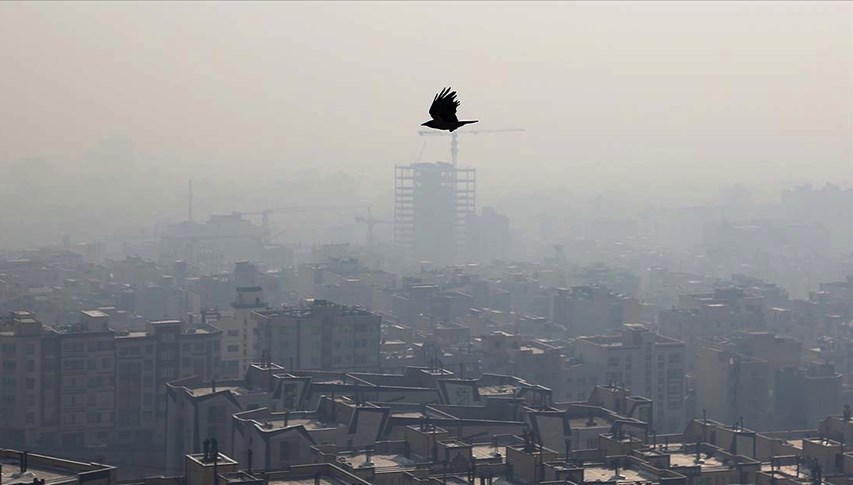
{"type": "Point", "coordinates": [454, 139]}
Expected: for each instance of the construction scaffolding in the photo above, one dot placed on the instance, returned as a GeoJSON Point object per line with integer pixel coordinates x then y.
{"type": "Point", "coordinates": [433, 207]}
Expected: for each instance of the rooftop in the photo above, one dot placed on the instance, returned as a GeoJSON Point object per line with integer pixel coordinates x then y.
{"type": "Point", "coordinates": [688, 459]}
{"type": "Point", "coordinates": [309, 423]}
{"type": "Point", "coordinates": [485, 452]}
{"type": "Point", "coordinates": [11, 473]}
{"type": "Point", "coordinates": [390, 460]}
{"type": "Point", "coordinates": [50, 469]}
{"type": "Point", "coordinates": [309, 311]}
{"type": "Point", "coordinates": [323, 480]}
{"type": "Point", "coordinates": [597, 422]}
{"type": "Point", "coordinates": [606, 474]}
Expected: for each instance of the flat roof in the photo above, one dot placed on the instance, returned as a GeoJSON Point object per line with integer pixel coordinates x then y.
{"type": "Point", "coordinates": [11, 473]}
{"type": "Point", "coordinates": [789, 472]}
{"type": "Point", "coordinates": [484, 452]}
{"type": "Point", "coordinates": [497, 390]}
{"type": "Point", "coordinates": [581, 423]}
{"type": "Point", "coordinates": [206, 390]}
{"type": "Point", "coordinates": [687, 459]}
{"type": "Point", "coordinates": [323, 480]}
{"type": "Point", "coordinates": [308, 423]}
{"type": "Point", "coordinates": [605, 474]}
{"type": "Point", "coordinates": [389, 460]}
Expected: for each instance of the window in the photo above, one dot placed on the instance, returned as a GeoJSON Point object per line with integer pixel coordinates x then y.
{"type": "Point", "coordinates": [31, 365]}
{"type": "Point", "coordinates": [31, 349]}
{"type": "Point", "coordinates": [9, 365]}
{"type": "Point", "coordinates": [74, 364]}
{"type": "Point", "coordinates": [107, 363]}
{"type": "Point", "coordinates": [233, 348]}
{"type": "Point", "coordinates": [70, 347]}
{"type": "Point", "coordinates": [31, 383]}
{"type": "Point", "coordinates": [233, 333]}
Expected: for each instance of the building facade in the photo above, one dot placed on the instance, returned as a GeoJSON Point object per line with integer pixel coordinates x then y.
{"type": "Point", "coordinates": [320, 335]}
{"type": "Point", "coordinates": [649, 365]}
{"type": "Point", "coordinates": [86, 386]}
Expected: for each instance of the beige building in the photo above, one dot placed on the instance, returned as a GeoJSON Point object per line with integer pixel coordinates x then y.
{"type": "Point", "coordinates": [86, 386]}
{"type": "Point", "coordinates": [320, 335]}
{"type": "Point", "coordinates": [649, 365]}
{"type": "Point", "coordinates": [239, 330]}
{"type": "Point", "coordinates": [732, 386]}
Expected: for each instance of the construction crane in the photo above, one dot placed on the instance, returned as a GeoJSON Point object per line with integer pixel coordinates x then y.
{"type": "Point", "coordinates": [370, 221]}
{"type": "Point", "coordinates": [265, 214]}
{"type": "Point", "coordinates": [454, 142]}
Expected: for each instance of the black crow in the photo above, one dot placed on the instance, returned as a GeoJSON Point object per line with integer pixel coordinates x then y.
{"type": "Point", "coordinates": [443, 112]}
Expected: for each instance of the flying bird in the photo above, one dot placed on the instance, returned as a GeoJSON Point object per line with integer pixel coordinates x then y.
{"type": "Point", "coordinates": [443, 112]}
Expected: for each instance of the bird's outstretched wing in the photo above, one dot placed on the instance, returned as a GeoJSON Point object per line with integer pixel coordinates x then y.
{"type": "Point", "coordinates": [444, 106]}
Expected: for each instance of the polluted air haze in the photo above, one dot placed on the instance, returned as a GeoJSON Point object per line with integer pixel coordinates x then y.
{"type": "Point", "coordinates": [109, 108]}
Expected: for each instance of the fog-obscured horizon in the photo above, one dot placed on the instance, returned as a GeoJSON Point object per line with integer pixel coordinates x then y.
{"type": "Point", "coordinates": [110, 108]}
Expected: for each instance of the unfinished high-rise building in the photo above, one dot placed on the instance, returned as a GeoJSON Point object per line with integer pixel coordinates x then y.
{"type": "Point", "coordinates": [433, 206]}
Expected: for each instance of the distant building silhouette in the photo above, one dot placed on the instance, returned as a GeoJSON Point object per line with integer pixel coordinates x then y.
{"type": "Point", "coordinates": [433, 206]}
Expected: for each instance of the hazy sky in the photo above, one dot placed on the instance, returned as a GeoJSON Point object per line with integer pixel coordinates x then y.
{"type": "Point", "coordinates": [613, 96]}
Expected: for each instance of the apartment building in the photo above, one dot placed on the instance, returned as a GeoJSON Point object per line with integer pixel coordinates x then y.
{"type": "Point", "coordinates": [87, 386]}
{"type": "Point", "coordinates": [320, 335]}
{"type": "Point", "coordinates": [239, 330]}
{"type": "Point", "coordinates": [732, 387]}
{"type": "Point", "coordinates": [649, 365]}
{"type": "Point", "coordinates": [585, 310]}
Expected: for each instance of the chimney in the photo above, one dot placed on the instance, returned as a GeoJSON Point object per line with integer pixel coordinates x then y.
{"type": "Point", "coordinates": [847, 413]}
{"type": "Point", "coordinates": [213, 385]}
